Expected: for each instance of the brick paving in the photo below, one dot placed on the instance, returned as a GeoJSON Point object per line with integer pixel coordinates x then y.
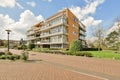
{"type": "Point", "coordinates": [37, 71]}
{"type": "Point", "coordinates": [59, 67]}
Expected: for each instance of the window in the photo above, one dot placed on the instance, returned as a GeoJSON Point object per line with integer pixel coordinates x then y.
{"type": "Point", "coordinates": [73, 25]}
{"type": "Point", "coordinates": [74, 33]}
{"type": "Point", "coordinates": [75, 19]}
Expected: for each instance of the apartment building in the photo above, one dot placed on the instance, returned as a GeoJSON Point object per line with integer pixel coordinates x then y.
{"type": "Point", "coordinates": [58, 31]}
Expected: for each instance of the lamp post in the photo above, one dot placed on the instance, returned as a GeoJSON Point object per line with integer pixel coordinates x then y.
{"type": "Point", "coordinates": [8, 32]}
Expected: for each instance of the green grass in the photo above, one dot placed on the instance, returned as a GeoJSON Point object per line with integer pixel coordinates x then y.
{"type": "Point", "coordinates": [106, 54]}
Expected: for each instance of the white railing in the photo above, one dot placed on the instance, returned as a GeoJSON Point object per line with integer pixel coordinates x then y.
{"type": "Point", "coordinates": [53, 25]}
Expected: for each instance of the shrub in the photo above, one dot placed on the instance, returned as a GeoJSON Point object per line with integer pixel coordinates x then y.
{"type": "Point", "coordinates": [22, 47]}
{"type": "Point", "coordinates": [3, 57]}
{"type": "Point", "coordinates": [31, 46]}
{"type": "Point", "coordinates": [12, 57]}
{"type": "Point", "coordinates": [36, 49]}
{"type": "Point", "coordinates": [90, 49]}
{"type": "Point", "coordinates": [19, 47]}
{"type": "Point", "coordinates": [75, 45]}
{"type": "Point", "coordinates": [25, 55]}
{"type": "Point", "coordinates": [79, 54]}
{"type": "Point", "coordinates": [8, 52]}
{"type": "Point", "coordinates": [87, 54]}
{"type": "Point", "coordinates": [16, 56]}
{"type": "Point", "coordinates": [2, 53]}
{"type": "Point", "coordinates": [68, 53]}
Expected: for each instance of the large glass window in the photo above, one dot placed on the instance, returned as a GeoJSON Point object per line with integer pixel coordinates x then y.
{"type": "Point", "coordinates": [56, 30]}
{"type": "Point", "coordinates": [56, 38]}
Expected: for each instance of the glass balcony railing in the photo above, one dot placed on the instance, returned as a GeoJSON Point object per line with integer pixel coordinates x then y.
{"type": "Point", "coordinates": [53, 34]}
{"type": "Point", "coordinates": [54, 24]}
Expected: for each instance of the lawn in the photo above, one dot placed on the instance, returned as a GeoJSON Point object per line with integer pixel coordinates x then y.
{"type": "Point", "coordinates": [106, 54]}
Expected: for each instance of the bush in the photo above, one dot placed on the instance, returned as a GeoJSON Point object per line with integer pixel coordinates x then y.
{"type": "Point", "coordinates": [11, 57]}
{"type": "Point", "coordinates": [25, 55]}
{"type": "Point", "coordinates": [90, 49]}
{"type": "Point", "coordinates": [2, 53]}
{"type": "Point", "coordinates": [68, 53]}
{"type": "Point", "coordinates": [75, 45]}
{"type": "Point", "coordinates": [31, 46]}
{"type": "Point", "coordinates": [16, 56]}
{"type": "Point", "coordinates": [8, 52]}
{"type": "Point", "coordinates": [3, 57]}
{"type": "Point", "coordinates": [87, 54]}
{"type": "Point", "coordinates": [22, 47]}
{"type": "Point", "coordinates": [36, 49]}
{"type": "Point", "coordinates": [19, 47]}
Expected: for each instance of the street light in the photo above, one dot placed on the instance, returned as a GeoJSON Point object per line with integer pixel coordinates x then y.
{"type": "Point", "coordinates": [8, 32]}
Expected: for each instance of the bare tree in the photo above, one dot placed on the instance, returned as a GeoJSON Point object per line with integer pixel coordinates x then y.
{"type": "Point", "coordinates": [99, 34]}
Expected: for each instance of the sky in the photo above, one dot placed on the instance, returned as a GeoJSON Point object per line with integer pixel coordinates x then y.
{"type": "Point", "coordinates": [20, 15]}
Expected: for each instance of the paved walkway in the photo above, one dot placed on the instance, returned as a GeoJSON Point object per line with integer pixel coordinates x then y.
{"type": "Point", "coordinates": [59, 67]}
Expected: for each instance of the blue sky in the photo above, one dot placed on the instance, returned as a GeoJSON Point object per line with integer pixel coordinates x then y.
{"type": "Point", "coordinates": [19, 15]}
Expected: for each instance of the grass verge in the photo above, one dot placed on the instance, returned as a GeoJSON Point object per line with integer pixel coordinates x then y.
{"type": "Point", "coordinates": [106, 54]}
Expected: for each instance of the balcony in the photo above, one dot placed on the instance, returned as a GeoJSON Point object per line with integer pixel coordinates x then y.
{"type": "Point", "coordinates": [82, 38]}
{"type": "Point", "coordinates": [31, 33]}
{"type": "Point", "coordinates": [53, 25]}
{"type": "Point", "coordinates": [59, 42]}
{"type": "Point", "coordinates": [53, 34]}
{"type": "Point", "coordinates": [41, 43]}
{"type": "Point", "coordinates": [31, 38]}
{"type": "Point", "coordinates": [82, 32]}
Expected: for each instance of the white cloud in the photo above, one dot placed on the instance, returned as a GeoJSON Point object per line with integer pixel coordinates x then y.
{"type": "Point", "coordinates": [5, 20]}
{"type": "Point", "coordinates": [33, 4]}
{"type": "Point", "coordinates": [47, 0]}
{"type": "Point", "coordinates": [10, 3]}
{"type": "Point", "coordinates": [20, 6]}
{"type": "Point", "coordinates": [19, 28]}
{"type": "Point", "coordinates": [115, 27]}
{"type": "Point", "coordinates": [84, 13]}
{"type": "Point", "coordinates": [90, 21]}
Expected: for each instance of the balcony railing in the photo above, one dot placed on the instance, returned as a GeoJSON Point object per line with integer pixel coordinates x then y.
{"type": "Point", "coordinates": [53, 42]}
{"type": "Point", "coordinates": [30, 33]}
{"type": "Point", "coordinates": [53, 34]}
{"type": "Point", "coordinates": [53, 25]}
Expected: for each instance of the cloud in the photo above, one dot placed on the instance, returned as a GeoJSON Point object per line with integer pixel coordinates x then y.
{"type": "Point", "coordinates": [84, 13]}
{"type": "Point", "coordinates": [5, 20]}
{"type": "Point", "coordinates": [115, 27]}
{"type": "Point", "coordinates": [19, 28]}
{"type": "Point", "coordinates": [33, 4]}
{"type": "Point", "coordinates": [10, 3]}
{"type": "Point", "coordinates": [90, 21]}
{"type": "Point", "coordinates": [47, 0]}
{"type": "Point", "coordinates": [20, 6]}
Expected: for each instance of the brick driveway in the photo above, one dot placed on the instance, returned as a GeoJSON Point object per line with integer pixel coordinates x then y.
{"type": "Point", "coordinates": [59, 67]}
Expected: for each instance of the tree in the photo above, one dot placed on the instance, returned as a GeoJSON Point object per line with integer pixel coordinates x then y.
{"type": "Point", "coordinates": [76, 45]}
{"type": "Point", "coordinates": [21, 41]}
{"type": "Point", "coordinates": [118, 31]}
{"type": "Point", "coordinates": [112, 40]}
{"type": "Point", "coordinates": [99, 34]}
